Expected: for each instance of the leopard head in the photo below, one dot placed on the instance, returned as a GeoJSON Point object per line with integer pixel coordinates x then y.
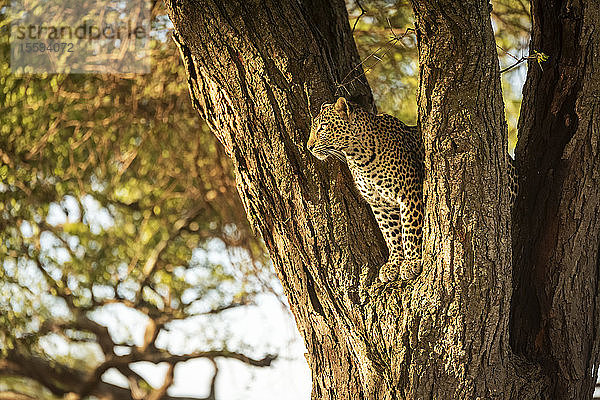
{"type": "Point", "coordinates": [331, 130]}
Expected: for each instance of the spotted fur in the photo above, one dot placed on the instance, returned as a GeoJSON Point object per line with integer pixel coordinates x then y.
{"type": "Point", "coordinates": [385, 158]}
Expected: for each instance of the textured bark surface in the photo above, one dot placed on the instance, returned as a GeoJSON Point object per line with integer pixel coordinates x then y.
{"type": "Point", "coordinates": [460, 306]}
{"type": "Point", "coordinates": [557, 220]}
{"type": "Point", "coordinates": [257, 69]}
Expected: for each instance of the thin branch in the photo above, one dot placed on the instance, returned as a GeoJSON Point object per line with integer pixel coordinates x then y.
{"type": "Point", "coordinates": [102, 334]}
{"type": "Point", "coordinates": [134, 379]}
{"type": "Point", "coordinates": [211, 395]}
{"type": "Point", "coordinates": [519, 61]}
{"type": "Point", "coordinates": [150, 335]}
{"type": "Point", "coordinates": [540, 57]}
{"type": "Point", "coordinates": [157, 356]}
{"type": "Point", "coordinates": [394, 39]}
{"type": "Point", "coordinates": [506, 52]}
{"type": "Point", "coordinates": [235, 304]}
{"type": "Point", "coordinates": [362, 12]}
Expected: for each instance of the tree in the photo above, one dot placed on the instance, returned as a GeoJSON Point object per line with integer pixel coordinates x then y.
{"type": "Point", "coordinates": [259, 70]}
{"type": "Point", "coordinates": [108, 185]}
{"type": "Point", "coordinates": [556, 225]}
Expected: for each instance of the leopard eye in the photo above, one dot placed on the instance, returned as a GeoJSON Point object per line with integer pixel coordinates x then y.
{"type": "Point", "coordinates": [323, 126]}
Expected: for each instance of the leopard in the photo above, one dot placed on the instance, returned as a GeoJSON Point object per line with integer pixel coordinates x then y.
{"type": "Point", "coordinates": [386, 160]}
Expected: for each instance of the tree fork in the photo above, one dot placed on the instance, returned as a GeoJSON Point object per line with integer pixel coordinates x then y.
{"type": "Point", "coordinates": [257, 71]}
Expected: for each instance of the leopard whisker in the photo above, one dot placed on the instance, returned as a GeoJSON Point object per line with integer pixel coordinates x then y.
{"type": "Point", "coordinates": [339, 155]}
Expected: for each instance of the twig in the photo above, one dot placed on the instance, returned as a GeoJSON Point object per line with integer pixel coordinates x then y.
{"type": "Point", "coordinates": [519, 61]}
{"type": "Point", "coordinates": [538, 56]}
{"type": "Point", "coordinates": [393, 40]}
{"type": "Point", "coordinates": [506, 52]}
{"type": "Point", "coordinates": [362, 12]}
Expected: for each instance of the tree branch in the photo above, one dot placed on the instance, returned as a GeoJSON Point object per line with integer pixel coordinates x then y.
{"type": "Point", "coordinates": [157, 356]}
{"type": "Point", "coordinates": [10, 395]}
{"type": "Point", "coordinates": [61, 380]}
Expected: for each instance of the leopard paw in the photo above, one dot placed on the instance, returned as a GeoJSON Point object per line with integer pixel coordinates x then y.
{"type": "Point", "coordinates": [410, 269]}
{"type": "Point", "coordinates": [400, 270]}
{"type": "Point", "coordinates": [389, 271]}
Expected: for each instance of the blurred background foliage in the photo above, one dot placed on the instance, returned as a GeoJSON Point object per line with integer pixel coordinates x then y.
{"type": "Point", "coordinates": [115, 199]}
{"type": "Point", "coordinates": [113, 195]}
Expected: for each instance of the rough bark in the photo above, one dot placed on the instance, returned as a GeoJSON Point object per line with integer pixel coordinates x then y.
{"type": "Point", "coordinates": [460, 306]}
{"type": "Point", "coordinates": [257, 69]}
{"type": "Point", "coordinates": [557, 218]}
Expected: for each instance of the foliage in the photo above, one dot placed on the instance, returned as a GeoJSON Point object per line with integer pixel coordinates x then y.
{"type": "Point", "coordinates": [113, 196]}
{"type": "Point", "coordinates": [391, 65]}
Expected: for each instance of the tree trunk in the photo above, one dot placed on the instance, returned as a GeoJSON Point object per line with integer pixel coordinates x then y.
{"type": "Point", "coordinates": [555, 316]}
{"type": "Point", "coordinates": [462, 345]}
{"type": "Point", "coordinates": [257, 69]}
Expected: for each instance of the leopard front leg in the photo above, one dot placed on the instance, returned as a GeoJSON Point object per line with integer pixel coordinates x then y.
{"type": "Point", "coordinates": [389, 221]}
{"type": "Point", "coordinates": [411, 213]}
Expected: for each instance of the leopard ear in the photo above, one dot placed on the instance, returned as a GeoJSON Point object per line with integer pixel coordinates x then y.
{"type": "Point", "coordinates": [343, 108]}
